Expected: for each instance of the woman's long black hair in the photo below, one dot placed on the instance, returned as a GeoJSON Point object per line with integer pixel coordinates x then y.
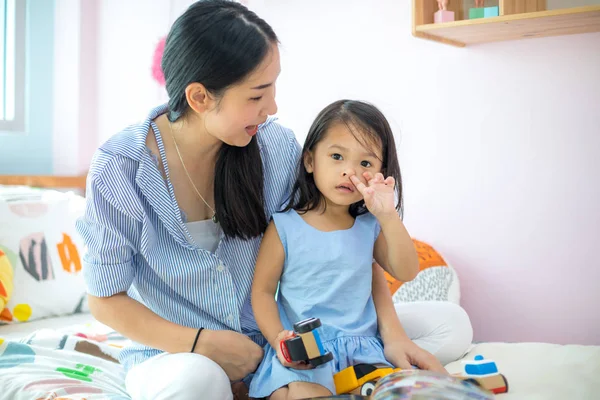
{"type": "Point", "coordinates": [218, 43]}
{"type": "Point", "coordinates": [367, 124]}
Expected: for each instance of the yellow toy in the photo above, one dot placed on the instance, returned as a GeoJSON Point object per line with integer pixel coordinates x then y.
{"type": "Point", "coordinates": [361, 378]}
{"type": "Point", "coordinates": [6, 280]}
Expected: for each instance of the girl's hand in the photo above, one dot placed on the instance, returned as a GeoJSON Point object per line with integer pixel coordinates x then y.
{"type": "Point", "coordinates": [379, 195]}
{"type": "Point", "coordinates": [405, 353]}
{"type": "Point", "coordinates": [283, 335]}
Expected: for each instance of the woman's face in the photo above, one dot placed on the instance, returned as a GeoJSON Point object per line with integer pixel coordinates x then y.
{"type": "Point", "coordinates": [235, 118]}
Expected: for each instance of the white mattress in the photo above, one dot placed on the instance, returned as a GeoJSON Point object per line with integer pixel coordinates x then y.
{"type": "Point", "coordinates": [539, 371]}
{"type": "Point", "coordinates": [534, 371]}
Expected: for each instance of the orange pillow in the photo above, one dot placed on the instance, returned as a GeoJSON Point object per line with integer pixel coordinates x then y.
{"type": "Point", "coordinates": [428, 258]}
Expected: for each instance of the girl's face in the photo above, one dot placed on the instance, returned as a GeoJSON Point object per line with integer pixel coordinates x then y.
{"type": "Point", "coordinates": [234, 119]}
{"type": "Point", "coordinates": [338, 156]}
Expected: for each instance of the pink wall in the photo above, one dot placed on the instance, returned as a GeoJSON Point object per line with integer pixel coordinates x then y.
{"type": "Point", "coordinates": [498, 143]}
{"type": "Point", "coordinates": [499, 146]}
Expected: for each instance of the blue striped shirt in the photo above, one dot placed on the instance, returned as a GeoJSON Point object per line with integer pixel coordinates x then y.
{"type": "Point", "coordinates": [137, 240]}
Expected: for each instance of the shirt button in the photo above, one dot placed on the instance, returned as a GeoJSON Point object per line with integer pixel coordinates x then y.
{"type": "Point", "coordinates": [230, 318]}
{"type": "Point", "coordinates": [220, 267]}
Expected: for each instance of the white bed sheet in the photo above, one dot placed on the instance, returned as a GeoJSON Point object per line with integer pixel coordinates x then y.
{"type": "Point", "coordinates": [534, 371]}
{"type": "Point", "coordinates": [541, 371]}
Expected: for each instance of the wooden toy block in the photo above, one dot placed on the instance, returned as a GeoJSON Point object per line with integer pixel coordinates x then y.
{"type": "Point", "coordinates": [475, 13]}
{"type": "Point", "coordinates": [441, 16]}
{"type": "Point", "coordinates": [491, 12]}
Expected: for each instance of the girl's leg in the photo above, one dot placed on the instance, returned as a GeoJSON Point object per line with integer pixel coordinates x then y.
{"type": "Point", "coordinates": [440, 327]}
{"type": "Point", "coordinates": [299, 390]}
{"type": "Point", "coordinates": [303, 390]}
{"type": "Point", "coordinates": [182, 376]}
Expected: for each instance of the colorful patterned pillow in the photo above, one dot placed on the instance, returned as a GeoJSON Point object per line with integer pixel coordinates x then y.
{"type": "Point", "coordinates": [436, 280]}
{"type": "Point", "coordinates": [41, 248]}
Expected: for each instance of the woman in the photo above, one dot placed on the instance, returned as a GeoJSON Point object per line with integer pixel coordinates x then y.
{"type": "Point", "coordinates": [176, 207]}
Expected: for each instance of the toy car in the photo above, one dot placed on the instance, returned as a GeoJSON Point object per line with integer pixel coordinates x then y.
{"type": "Point", "coordinates": [484, 372]}
{"type": "Point", "coordinates": [361, 378]}
{"type": "Point", "coordinates": [306, 344]}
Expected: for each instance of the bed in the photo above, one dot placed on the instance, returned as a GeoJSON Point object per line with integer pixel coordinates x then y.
{"type": "Point", "coordinates": [74, 357]}
{"type": "Point", "coordinates": [70, 370]}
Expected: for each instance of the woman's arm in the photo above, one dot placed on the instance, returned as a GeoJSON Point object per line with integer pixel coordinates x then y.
{"type": "Point", "coordinates": [269, 266]}
{"type": "Point", "coordinates": [135, 321]}
{"type": "Point", "coordinates": [234, 352]}
{"type": "Point", "coordinates": [111, 231]}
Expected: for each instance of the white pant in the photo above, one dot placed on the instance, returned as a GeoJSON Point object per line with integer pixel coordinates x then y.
{"type": "Point", "coordinates": [442, 328]}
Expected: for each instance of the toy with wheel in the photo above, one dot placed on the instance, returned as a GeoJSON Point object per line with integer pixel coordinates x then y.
{"type": "Point", "coordinates": [484, 372]}
{"type": "Point", "coordinates": [361, 378]}
{"type": "Point", "coordinates": [306, 344]}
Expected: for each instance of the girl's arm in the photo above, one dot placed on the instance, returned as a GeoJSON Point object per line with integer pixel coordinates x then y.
{"type": "Point", "coordinates": [269, 266]}
{"type": "Point", "coordinates": [394, 249]}
{"type": "Point", "coordinates": [388, 322]}
{"type": "Point", "coordinates": [398, 348]}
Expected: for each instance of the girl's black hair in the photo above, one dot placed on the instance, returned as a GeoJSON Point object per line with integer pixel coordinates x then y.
{"type": "Point", "coordinates": [367, 124]}
{"type": "Point", "coordinates": [219, 43]}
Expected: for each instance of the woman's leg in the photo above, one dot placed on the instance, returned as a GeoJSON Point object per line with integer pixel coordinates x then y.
{"type": "Point", "coordinates": [182, 376]}
{"type": "Point", "coordinates": [440, 327]}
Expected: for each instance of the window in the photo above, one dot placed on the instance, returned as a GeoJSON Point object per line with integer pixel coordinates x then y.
{"type": "Point", "coordinates": [12, 65]}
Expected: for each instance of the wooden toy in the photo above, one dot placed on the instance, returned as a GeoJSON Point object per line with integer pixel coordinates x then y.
{"type": "Point", "coordinates": [442, 14]}
{"type": "Point", "coordinates": [361, 378]}
{"type": "Point", "coordinates": [484, 373]}
{"type": "Point", "coordinates": [306, 344]}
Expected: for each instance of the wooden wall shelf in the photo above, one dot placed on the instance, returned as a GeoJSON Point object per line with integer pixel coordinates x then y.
{"type": "Point", "coordinates": [45, 181]}
{"type": "Point", "coordinates": [505, 27]}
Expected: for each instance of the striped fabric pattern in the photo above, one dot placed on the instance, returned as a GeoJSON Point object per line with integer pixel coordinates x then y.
{"type": "Point", "coordinates": [137, 240]}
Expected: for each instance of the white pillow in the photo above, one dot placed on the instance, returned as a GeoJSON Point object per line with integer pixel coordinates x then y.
{"type": "Point", "coordinates": [37, 233]}
{"type": "Point", "coordinates": [436, 281]}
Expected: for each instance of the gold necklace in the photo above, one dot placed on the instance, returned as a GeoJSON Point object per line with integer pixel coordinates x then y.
{"type": "Point", "coordinates": [214, 216]}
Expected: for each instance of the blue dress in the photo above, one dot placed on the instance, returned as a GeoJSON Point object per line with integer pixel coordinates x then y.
{"type": "Point", "coordinates": [326, 275]}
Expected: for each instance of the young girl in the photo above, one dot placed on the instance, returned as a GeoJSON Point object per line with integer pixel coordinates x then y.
{"type": "Point", "coordinates": [344, 213]}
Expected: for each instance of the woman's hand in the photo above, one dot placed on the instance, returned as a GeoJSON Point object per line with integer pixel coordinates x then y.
{"type": "Point", "coordinates": [234, 352]}
{"type": "Point", "coordinates": [405, 353]}
{"type": "Point", "coordinates": [378, 194]}
{"type": "Point", "coordinates": [283, 335]}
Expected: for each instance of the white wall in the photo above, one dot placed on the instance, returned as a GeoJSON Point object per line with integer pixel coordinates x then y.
{"type": "Point", "coordinates": [497, 142]}
{"type": "Point", "coordinates": [498, 147]}
{"type": "Point", "coordinates": [128, 33]}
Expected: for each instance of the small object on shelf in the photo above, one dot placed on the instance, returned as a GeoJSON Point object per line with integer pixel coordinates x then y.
{"type": "Point", "coordinates": [491, 12]}
{"type": "Point", "coordinates": [306, 344]}
{"type": "Point", "coordinates": [441, 16]}
{"type": "Point", "coordinates": [475, 13]}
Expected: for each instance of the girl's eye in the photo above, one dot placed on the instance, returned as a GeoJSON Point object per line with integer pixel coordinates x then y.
{"type": "Point", "coordinates": [256, 98]}
{"type": "Point", "coordinates": [365, 164]}
{"type": "Point", "coordinates": [336, 156]}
